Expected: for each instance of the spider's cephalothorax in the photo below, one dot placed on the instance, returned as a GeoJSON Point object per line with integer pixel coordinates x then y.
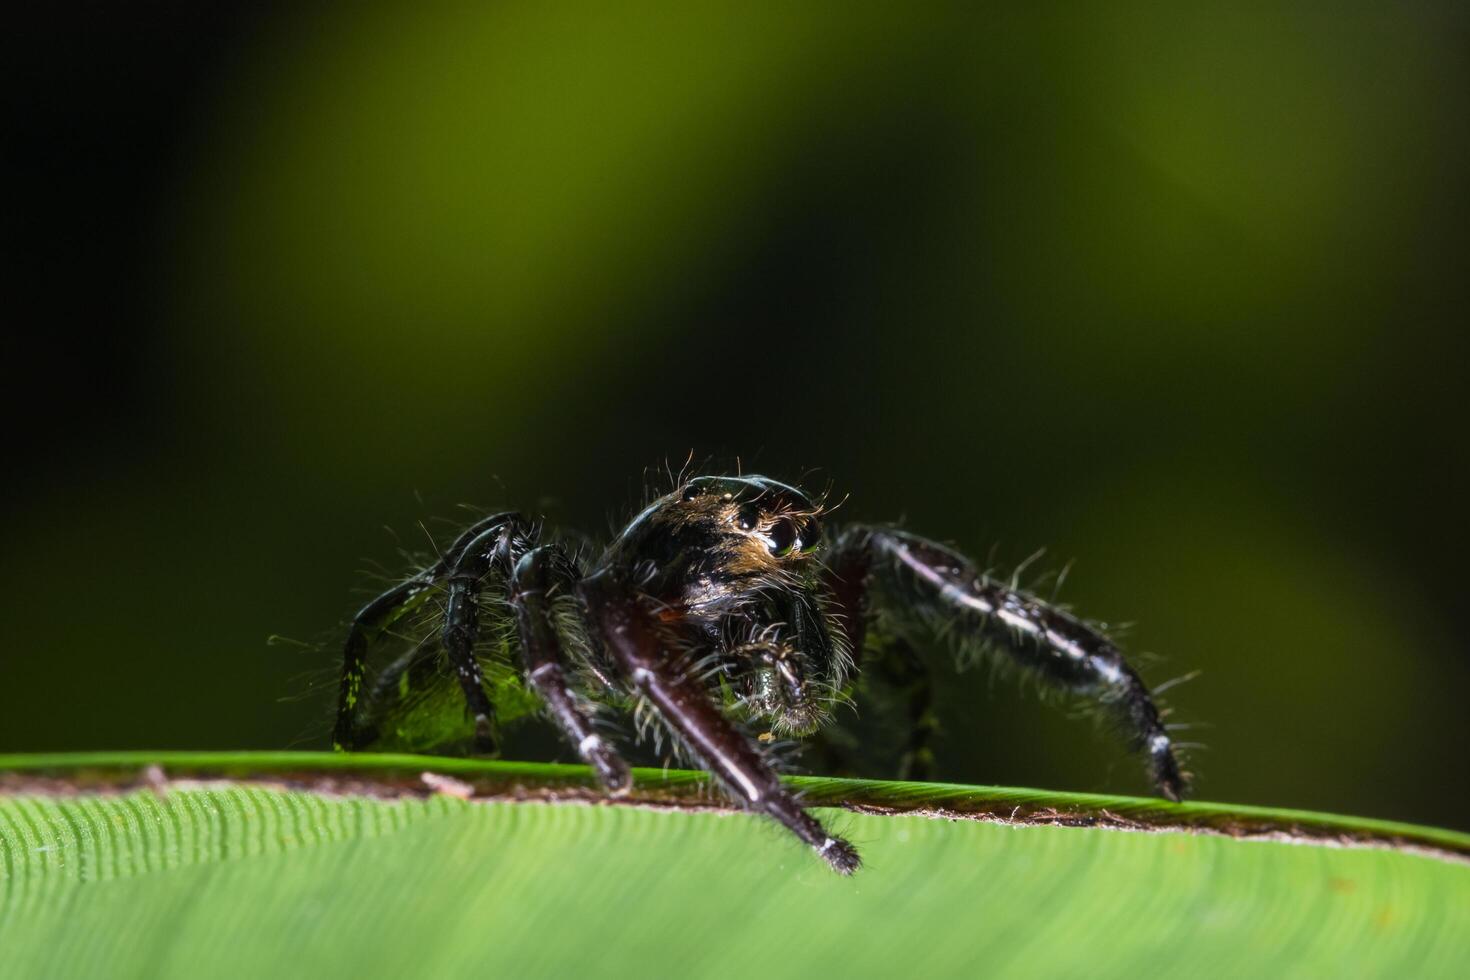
{"type": "Point", "coordinates": [721, 603]}
{"type": "Point", "coordinates": [730, 564]}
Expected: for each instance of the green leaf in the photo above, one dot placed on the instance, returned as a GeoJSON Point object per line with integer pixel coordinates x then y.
{"type": "Point", "coordinates": [303, 864]}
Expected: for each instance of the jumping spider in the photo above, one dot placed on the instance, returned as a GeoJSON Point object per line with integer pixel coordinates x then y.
{"type": "Point", "coordinates": [721, 602]}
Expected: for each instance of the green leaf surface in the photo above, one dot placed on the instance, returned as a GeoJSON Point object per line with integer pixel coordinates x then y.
{"type": "Point", "coordinates": [303, 864]}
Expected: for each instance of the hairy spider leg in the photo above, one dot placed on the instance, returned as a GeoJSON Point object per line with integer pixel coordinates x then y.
{"type": "Point", "coordinates": [903, 668]}
{"type": "Point", "coordinates": [494, 548]}
{"type": "Point", "coordinates": [376, 615]}
{"type": "Point", "coordinates": [894, 658]}
{"type": "Point", "coordinates": [945, 589]}
{"type": "Point", "coordinates": [537, 576]}
{"type": "Point", "coordinates": [627, 626]}
{"type": "Point", "coordinates": [380, 613]}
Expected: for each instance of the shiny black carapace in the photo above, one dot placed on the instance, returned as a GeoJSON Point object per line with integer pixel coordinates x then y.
{"type": "Point", "coordinates": [724, 603]}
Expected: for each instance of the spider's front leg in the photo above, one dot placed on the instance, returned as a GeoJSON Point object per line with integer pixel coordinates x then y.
{"type": "Point", "coordinates": [634, 642]}
{"type": "Point", "coordinates": [922, 580]}
{"type": "Point", "coordinates": [541, 577]}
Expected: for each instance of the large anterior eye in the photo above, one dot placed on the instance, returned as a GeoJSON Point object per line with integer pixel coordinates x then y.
{"type": "Point", "coordinates": [782, 536]}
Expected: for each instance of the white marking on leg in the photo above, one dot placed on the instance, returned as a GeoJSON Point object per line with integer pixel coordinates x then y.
{"type": "Point", "coordinates": [589, 743]}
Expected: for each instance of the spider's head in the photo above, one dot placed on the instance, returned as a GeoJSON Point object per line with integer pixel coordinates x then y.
{"type": "Point", "coordinates": [718, 541]}
{"type": "Point", "coordinates": [732, 559]}
{"type": "Point", "coordinates": [767, 521]}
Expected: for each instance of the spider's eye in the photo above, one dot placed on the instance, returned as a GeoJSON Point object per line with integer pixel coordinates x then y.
{"type": "Point", "coordinates": [783, 537]}
{"type": "Point", "coordinates": [811, 533]}
{"type": "Point", "coordinates": [747, 517]}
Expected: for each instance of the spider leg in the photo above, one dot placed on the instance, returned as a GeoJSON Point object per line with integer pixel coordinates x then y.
{"type": "Point", "coordinates": [641, 655]}
{"type": "Point", "coordinates": [381, 613]}
{"type": "Point", "coordinates": [375, 615]}
{"type": "Point", "coordinates": [534, 583]}
{"type": "Point", "coordinates": [903, 668]}
{"type": "Point", "coordinates": [496, 547]}
{"type": "Point", "coordinates": [946, 591]}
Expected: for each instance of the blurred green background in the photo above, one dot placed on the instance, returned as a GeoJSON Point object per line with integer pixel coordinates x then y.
{"type": "Point", "coordinates": [1179, 296]}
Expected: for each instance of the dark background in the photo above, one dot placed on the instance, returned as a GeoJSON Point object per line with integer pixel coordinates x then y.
{"type": "Point", "coordinates": [1179, 297]}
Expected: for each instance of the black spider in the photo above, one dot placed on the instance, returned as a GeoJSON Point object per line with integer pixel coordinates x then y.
{"type": "Point", "coordinates": [719, 603]}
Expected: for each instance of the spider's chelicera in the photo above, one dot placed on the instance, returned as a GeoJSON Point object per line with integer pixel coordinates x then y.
{"type": "Point", "coordinates": [723, 604]}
